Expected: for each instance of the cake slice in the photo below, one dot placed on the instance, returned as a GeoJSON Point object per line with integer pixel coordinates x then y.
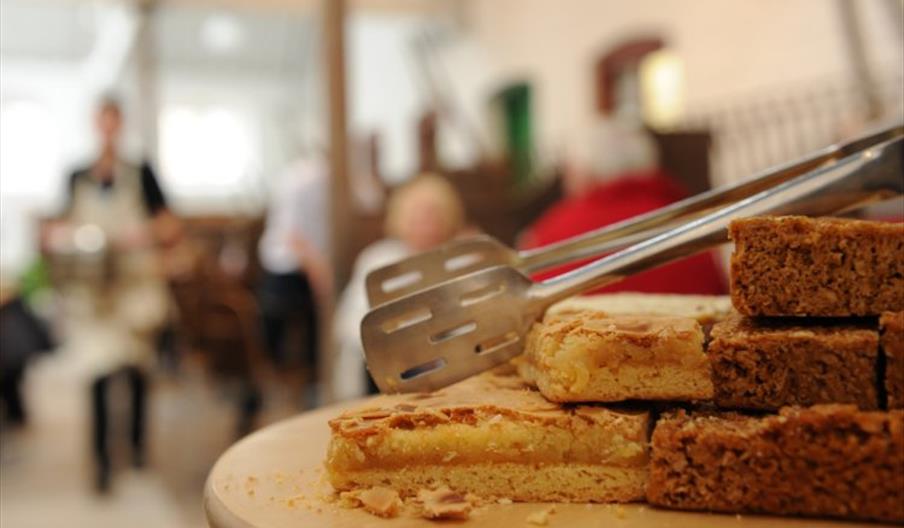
{"type": "Point", "coordinates": [492, 436]}
{"type": "Point", "coordinates": [791, 266]}
{"type": "Point", "coordinates": [828, 460]}
{"type": "Point", "coordinates": [767, 364]}
{"type": "Point", "coordinates": [706, 309]}
{"type": "Point", "coordinates": [593, 357]}
{"type": "Point", "coordinates": [892, 324]}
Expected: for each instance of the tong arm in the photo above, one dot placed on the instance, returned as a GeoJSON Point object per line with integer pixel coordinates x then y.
{"type": "Point", "coordinates": [871, 175]}
{"type": "Point", "coordinates": [623, 234]}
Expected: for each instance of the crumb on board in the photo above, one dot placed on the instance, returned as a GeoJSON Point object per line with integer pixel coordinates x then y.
{"type": "Point", "coordinates": [250, 483]}
{"type": "Point", "coordinates": [541, 517]}
{"type": "Point", "coordinates": [292, 502]}
{"type": "Point", "coordinates": [435, 504]}
{"type": "Point", "coordinates": [349, 499]}
{"type": "Point", "coordinates": [443, 503]}
{"type": "Point", "coordinates": [331, 497]}
{"type": "Point", "coordinates": [379, 501]}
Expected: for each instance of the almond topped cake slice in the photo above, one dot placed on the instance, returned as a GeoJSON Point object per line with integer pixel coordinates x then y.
{"type": "Point", "coordinates": [589, 356]}
{"type": "Point", "coordinates": [706, 309]}
{"type": "Point", "coordinates": [495, 437]}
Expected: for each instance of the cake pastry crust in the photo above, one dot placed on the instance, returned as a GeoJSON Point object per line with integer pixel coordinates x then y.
{"type": "Point", "coordinates": [829, 267]}
{"type": "Point", "coordinates": [766, 364]}
{"type": "Point", "coordinates": [827, 460]}
{"type": "Point", "coordinates": [892, 325]}
{"type": "Point", "coordinates": [593, 357]}
{"type": "Point", "coordinates": [706, 309]}
{"type": "Point", "coordinates": [493, 436]}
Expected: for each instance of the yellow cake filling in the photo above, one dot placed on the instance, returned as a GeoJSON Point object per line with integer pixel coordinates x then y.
{"type": "Point", "coordinates": [496, 439]}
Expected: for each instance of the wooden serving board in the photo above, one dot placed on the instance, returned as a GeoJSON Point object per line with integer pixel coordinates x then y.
{"type": "Point", "coordinates": [275, 479]}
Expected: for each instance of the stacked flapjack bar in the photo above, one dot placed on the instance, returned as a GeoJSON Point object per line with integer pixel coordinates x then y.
{"type": "Point", "coordinates": [816, 267]}
{"type": "Point", "coordinates": [809, 293]}
{"type": "Point", "coordinates": [767, 363]}
{"type": "Point", "coordinates": [825, 460]}
{"type": "Point", "coordinates": [892, 326]}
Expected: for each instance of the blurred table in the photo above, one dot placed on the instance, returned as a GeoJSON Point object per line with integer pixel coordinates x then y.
{"type": "Point", "coordinates": [275, 479]}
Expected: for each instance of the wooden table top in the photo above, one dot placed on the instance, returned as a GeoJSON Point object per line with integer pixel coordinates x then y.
{"type": "Point", "coordinates": [275, 479]}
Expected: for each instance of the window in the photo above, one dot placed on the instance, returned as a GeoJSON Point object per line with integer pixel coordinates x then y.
{"type": "Point", "coordinates": [30, 172]}
{"type": "Point", "coordinates": [30, 161]}
{"type": "Point", "coordinates": [206, 151]}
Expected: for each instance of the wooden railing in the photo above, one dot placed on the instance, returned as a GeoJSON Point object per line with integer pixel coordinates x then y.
{"type": "Point", "coordinates": [750, 134]}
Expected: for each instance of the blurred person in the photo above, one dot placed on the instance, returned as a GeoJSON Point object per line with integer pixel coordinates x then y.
{"type": "Point", "coordinates": [22, 335]}
{"type": "Point", "coordinates": [115, 209]}
{"type": "Point", "coordinates": [617, 178]}
{"type": "Point", "coordinates": [420, 215]}
{"type": "Point", "coordinates": [296, 275]}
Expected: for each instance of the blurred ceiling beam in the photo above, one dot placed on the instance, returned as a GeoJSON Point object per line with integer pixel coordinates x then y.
{"type": "Point", "coordinates": [334, 13]}
{"type": "Point", "coordinates": [104, 66]}
{"type": "Point", "coordinates": [423, 7]}
{"type": "Point", "coordinates": [146, 69]}
{"type": "Point", "coordinates": [334, 59]}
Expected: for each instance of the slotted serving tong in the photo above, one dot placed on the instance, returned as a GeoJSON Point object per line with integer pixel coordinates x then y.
{"type": "Point", "coordinates": [472, 303]}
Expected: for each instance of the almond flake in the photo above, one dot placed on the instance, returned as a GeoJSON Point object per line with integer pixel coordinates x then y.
{"type": "Point", "coordinates": [541, 517]}
{"type": "Point", "coordinates": [444, 503]}
{"type": "Point", "coordinates": [380, 501]}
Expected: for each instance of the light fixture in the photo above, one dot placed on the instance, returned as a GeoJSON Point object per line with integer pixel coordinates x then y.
{"type": "Point", "coordinates": [662, 88]}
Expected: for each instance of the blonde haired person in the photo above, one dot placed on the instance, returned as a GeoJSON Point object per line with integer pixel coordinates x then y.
{"type": "Point", "coordinates": [420, 215]}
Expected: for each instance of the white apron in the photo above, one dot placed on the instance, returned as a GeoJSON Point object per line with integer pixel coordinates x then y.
{"type": "Point", "coordinates": [113, 325]}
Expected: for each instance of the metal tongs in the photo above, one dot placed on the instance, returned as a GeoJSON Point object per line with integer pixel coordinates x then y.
{"type": "Point", "coordinates": [460, 319]}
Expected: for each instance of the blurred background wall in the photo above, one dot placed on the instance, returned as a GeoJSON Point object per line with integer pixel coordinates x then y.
{"type": "Point", "coordinates": [728, 53]}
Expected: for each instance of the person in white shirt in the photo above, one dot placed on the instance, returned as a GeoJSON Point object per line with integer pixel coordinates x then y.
{"type": "Point", "coordinates": [293, 253]}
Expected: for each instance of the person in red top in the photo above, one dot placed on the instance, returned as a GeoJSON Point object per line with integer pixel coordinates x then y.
{"type": "Point", "coordinates": [624, 181]}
